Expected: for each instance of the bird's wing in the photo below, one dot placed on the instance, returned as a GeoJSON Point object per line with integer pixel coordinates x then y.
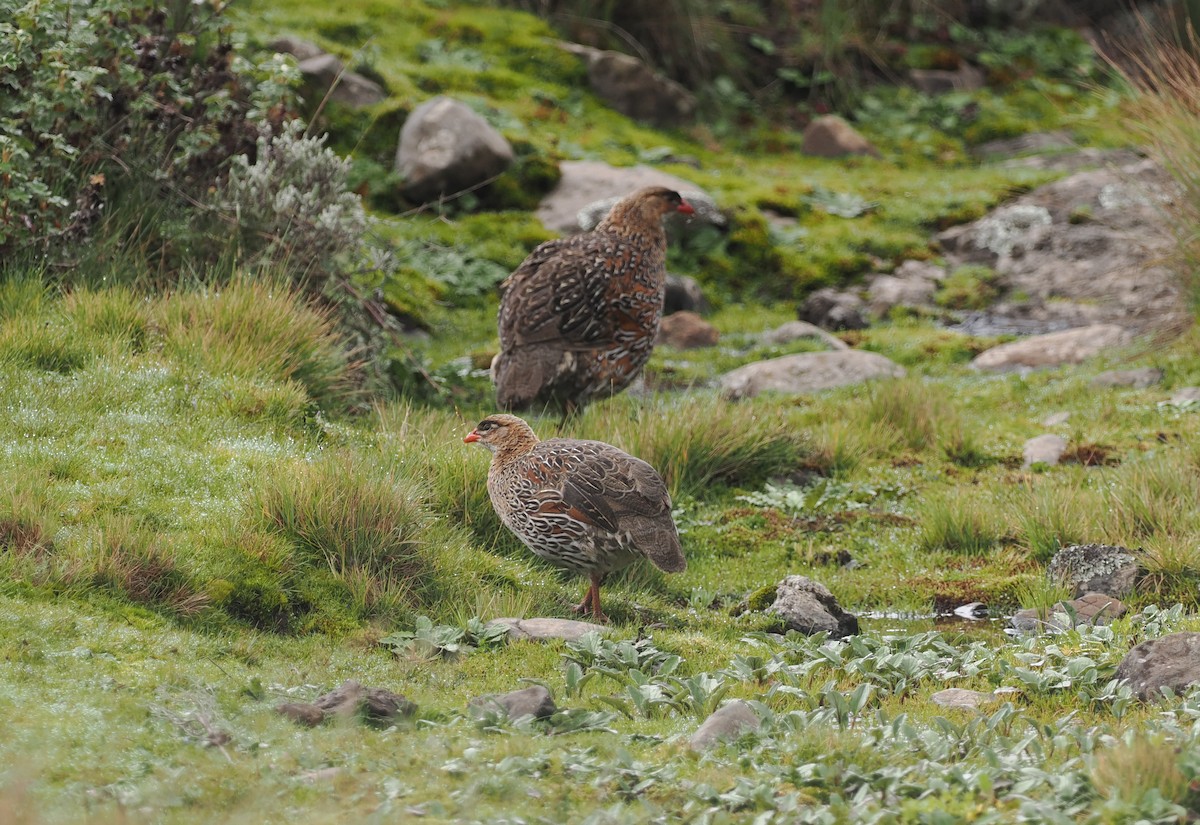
{"type": "Point", "coordinates": [614, 486]}
{"type": "Point", "coordinates": [559, 293]}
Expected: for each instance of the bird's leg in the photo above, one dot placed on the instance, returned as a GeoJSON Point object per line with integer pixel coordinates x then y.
{"type": "Point", "coordinates": [585, 605]}
{"type": "Point", "coordinates": [591, 601]}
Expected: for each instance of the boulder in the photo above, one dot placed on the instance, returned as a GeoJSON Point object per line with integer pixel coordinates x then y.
{"type": "Point", "coordinates": [633, 88]}
{"type": "Point", "coordinates": [797, 330]}
{"type": "Point", "coordinates": [348, 88]}
{"type": "Point", "coordinates": [1044, 449]}
{"type": "Point", "coordinates": [295, 46]}
{"type": "Point", "coordinates": [1072, 346]}
{"type": "Point", "coordinates": [687, 330]}
{"type": "Point", "coordinates": [1090, 608]}
{"type": "Point", "coordinates": [1172, 661]}
{"type": "Point", "coordinates": [535, 702]}
{"type": "Point", "coordinates": [1091, 248]}
{"type": "Point", "coordinates": [829, 308]}
{"type": "Point", "coordinates": [585, 182]}
{"type": "Point", "coordinates": [683, 292]}
{"type": "Point", "coordinates": [807, 372]}
{"type": "Point", "coordinates": [1138, 379]}
{"type": "Point", "coordinates": [1094, 568]}
{"type": "Point", "coordinates": [445, 148]}
{"type": "Point", "coordinates": [830, 136]}
{"type": "Point", "coordinates": [887, 292]}
{"type": "Point", "coordinates": [728, 722]}
{"type": "Point", "coordinates": [808, 607]}
{"type": "Point", "coordinates": [541, 630]}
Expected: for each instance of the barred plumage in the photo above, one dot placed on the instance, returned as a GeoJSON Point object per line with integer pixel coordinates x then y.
{"type": "Point", "coordinates": [579, 316]}
{"type": "Point", "coordinates": [584, 506]}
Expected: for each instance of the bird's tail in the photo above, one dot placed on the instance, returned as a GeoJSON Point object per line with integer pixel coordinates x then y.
{"type": "Point", "coordinates": [520, 375]}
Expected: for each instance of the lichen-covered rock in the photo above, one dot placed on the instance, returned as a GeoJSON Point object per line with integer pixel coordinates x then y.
{"type": "Point", "coordinates": [633, 88]}
{"type": "Point", "coordinates": [545, 629]}
{"type": "Point", "coordinates": [1072, 346]}
{"type": "Point", "coordinates": [807, 606]}
{"type": "Point", "coordinates": [1172, 661]}
{"type": "Point", "coordinates": [729, 721]}
{"type": "Point", "coordinates": [961, 698]}
{"type": "Point", "coordinates": [1098, 568]}
{"type": "Point", "coordinates": [797, 330]}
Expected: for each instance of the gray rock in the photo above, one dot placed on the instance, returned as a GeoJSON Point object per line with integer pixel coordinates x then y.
{"type": "Point", "coordinates": [832, 309]}
{"type": "Point", "coordinates": [1185, 395]}
{"type": "Point", "coordinates": [683, 293]}
{"type": "Point", "coordinates": [545, 629]}
{"type": "Point", "coordinates": [687, 330]}
{"type": "Point", "coordinates": [533, 701]}
{"type": "Point", "coordinates": [1072, 346]}
{"type": "Point", "coordinates": [295, 46]}
{"type": "Point", "coordinates": [797, 330]}
{"type": "Point", "coordinates": [961, 698]}
{"type": "Point", "coordinates": [1095, 568]}
{"type": "Point", "coordinates": [302, 713]}
{"type": "Point", "coordinates": [1172, 661]}
{"type": "Point", "coordinates": [887, 292]}
{"type": "Point", "coordinates": [348, 88]}
{"type": "Point", "coordinates": [807, 372]}
{"type": "Point", "coordinates": [352, 699]}
{"type": "Point", "coordinates": [808, 607]}
{"type": "Point", "coordinates": [914, 269]}
{"type": "Point", "coordinates": [730, 721]}
{"type": "Point", "coordinates": [633, 88]}
{"type": "Point", "coordinates": [830, 136]}
{"type": "Point", "coordinates": [1090, 608]}
{"type": "Point", "coordinates": [1138, 379]}
{"type": "Point", "coordinates": [585, 182]}
{"type": "Point", "coordinates": [1026, 144]}
{"type": "Point", "coordinates": [445, 148]}
{"type": "Point", "coordinates": [1056, 419]}
{"type": "Point", "coordinates": [965, 78]}
{"type": "Point", "coordinates": [1044, 449]}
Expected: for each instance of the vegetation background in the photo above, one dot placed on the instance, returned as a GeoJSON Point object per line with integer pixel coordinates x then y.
{"type": "Point", "coordinates": [236, 367]}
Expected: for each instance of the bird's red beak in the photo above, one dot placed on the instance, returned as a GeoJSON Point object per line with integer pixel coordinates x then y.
{"type": "Point", "coordinates": [471, 437]}
{"type": "Point", "coordinates": [685, 207]}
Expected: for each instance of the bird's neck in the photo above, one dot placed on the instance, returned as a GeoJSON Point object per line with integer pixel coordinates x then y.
{"type": "Point", "coordinates": [514, 448]}
{"type": "Point", "coordinates": [630, 220]}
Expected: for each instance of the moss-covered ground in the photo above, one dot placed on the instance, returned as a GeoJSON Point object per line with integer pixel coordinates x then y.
{"type": "Point", "coordinates": [192, 531]}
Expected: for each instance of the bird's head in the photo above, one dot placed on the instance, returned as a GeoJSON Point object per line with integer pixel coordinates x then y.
{"type": "Point", "coordinates": [648, 205]}
{"type": "Point", "coordinates": [502, 433]}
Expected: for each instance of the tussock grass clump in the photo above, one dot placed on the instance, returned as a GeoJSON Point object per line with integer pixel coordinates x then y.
{"type": "Point", "coordinates": [136, 562]}
{"type": "Point", "coordinates": [1141, 765]}
{"type": "Point", "coordinates": [959, 524]}
{"type": "Point", "coordinates": [697, 443]}
{"type": "Point", "coordinates": [116, 312]}
{"type": "Point", "coordinates": [45, 345]}
{"type": "Point", "coordinates": [368, 528]}
{"type": "Point", "coordinates": [258, 329]}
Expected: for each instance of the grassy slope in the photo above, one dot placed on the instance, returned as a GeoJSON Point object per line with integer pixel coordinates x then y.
{"type": "Point", "coordinates": [145, 574]}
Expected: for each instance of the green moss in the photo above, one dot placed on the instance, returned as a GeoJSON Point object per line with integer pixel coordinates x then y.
{"type": "Point", "coordinates": [968, 287]}
{"type": "Point", "coordinates": [762, 598]}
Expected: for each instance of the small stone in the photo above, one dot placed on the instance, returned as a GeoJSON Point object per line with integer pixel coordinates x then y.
{"type": "Point", "coordinates": [1089, 609]}
{"type": "Point", "coordinates": [962, 698]}
{"type": "Point", "coordinates": [729, 721]}
{"type": "Point", "coordinates": [351, 699]}
{"type": "Point", "coordinates": [830, 136]}
{"type": "Point", "coordinates": [1138, 379]}
{"type": "Point", "coordinates": [832, 309]}
{"type": "Point", "coordinates": [545, 629]}
{"type": "Point", "coordinates": [1186, 395]}
{"type": "Point", "coordinates": [798, 330]}
{"type": "Point", "coordinates": [296, 47]}
{"type": "Point", "coordinates": [1172, 661]}
{"type": "Point", "coordinates": [303, 713]}
{"type": "Point", "coordinates": [687, 330]}
{"type": "Point", "coordinates": [533, 701]}
{"type": "Point", "coordinates": [807, 606]}
{"type": "Point", "coordinates": [1044, 449]}
{"type": "Point", "coordinates": [683, 292]}
{"type": "Point", "coordinates": [1056, 419]}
